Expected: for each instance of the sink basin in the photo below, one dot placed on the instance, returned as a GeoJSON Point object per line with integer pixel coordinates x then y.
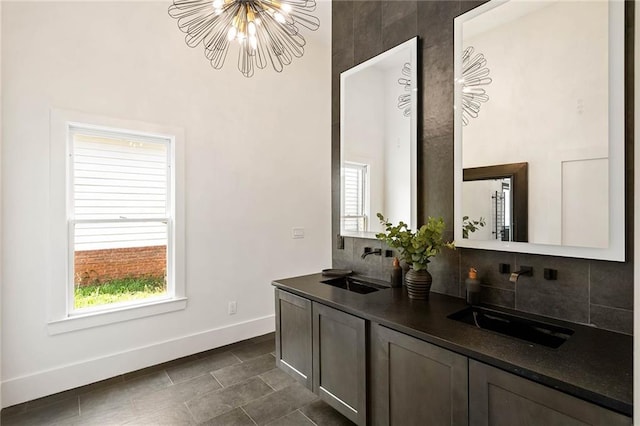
{"type": "Point", "coordinates": [526, 329]}
{"type": "Point", "coordinates": [354, 284]}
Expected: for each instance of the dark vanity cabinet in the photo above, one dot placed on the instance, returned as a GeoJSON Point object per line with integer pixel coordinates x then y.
{"type": "Point", "coordinates": [294, 328]}
{"type": "Point", "coordinates": [416, 383]}
{"type": "Point", "coordinates": [375, 375]}
{"type": "Point", "coordinates": [339, 361]}
{"type": "Point", "coordinates": [324, 349]}
{"type": "Point", "coordinates": [499, 398]}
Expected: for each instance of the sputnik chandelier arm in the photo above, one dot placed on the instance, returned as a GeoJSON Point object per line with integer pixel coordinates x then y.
{"type": "Point", "coordinates": [267, 31]}
{"type": "Point", "coordinates": [475, 74]}
{"type": "Point", "coordinates": [404, 100]}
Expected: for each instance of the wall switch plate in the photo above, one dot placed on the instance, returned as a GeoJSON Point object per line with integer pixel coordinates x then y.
{"type": "Point", "coordinates": [233, 308]}
{"type": "Point", "coordinates": [340, 242]}
{"type": "Point", "coordinates": [297, 233]}
{"type": "Point", "coordinates": [504, 268]}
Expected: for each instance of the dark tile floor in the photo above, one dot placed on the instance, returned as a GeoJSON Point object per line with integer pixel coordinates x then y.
{"type": "Point", "coordinates": [237, 384]}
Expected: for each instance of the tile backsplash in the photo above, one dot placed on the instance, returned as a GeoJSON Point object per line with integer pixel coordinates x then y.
{"type": "Point", "coordinates": [591, 292]}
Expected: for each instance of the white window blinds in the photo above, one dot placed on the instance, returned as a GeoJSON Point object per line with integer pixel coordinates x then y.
{"type": "Point", "coordinates": [354, 197]}
{"type": "Point", "coordinates": [120, 189]}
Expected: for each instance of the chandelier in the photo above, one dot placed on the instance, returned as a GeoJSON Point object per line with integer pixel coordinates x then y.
{"type": "Point", "coordinates": [404, 100]}
{"type": "Point", "coordinates": [474, 75]}
{"type": "Point", "coordinates": [266, 31]}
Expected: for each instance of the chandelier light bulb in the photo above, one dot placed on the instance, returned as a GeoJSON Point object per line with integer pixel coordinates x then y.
{"type": "Point", "coordinates": [278, 17]}
{"type": "Point", "coordinates": [268, 32]}
{"type": "Point", "coordinates": [232, 33]}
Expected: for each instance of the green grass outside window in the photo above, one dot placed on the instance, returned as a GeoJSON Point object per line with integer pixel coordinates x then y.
{"type": "Point", "coordinates": [118, 290]}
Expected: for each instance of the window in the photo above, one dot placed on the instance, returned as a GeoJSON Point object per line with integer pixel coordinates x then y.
{"type": "Point", "coordinates": [355, 197]}
{"type": "Point", "coordinates": [120, 217]}
{"type": "Point", "coordinates": [117, 220]}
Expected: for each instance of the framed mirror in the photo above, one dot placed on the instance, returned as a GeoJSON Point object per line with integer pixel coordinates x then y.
{"type": "Point", "coordinates": [541, 84]}
{"type": "Point", "coordinates": [500, 193]}
{"type": "Point", "coordinates": [378, 147]}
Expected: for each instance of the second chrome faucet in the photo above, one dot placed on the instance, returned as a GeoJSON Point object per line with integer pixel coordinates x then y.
{"type": "Point", "coordinates": [369, 250]}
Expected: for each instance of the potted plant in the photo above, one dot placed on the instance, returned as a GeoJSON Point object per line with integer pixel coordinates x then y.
{"type": "Point", "coordinates": [416, 248]}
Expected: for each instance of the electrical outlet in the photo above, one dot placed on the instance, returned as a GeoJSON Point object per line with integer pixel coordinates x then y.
{"type": "Point", "coordinates": [232, 308]}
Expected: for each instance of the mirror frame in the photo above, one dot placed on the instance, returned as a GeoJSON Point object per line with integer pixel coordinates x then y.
{"type": "Point", "coordinates": [412, 44]}
{"type": "Point", "coordinates": [616, 249]}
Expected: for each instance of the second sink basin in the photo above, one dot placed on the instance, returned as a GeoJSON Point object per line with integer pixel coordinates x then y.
{"type": "Point", "coordinates": [526, 329]}
{"type": "Point", "coordinates": [354, 284]}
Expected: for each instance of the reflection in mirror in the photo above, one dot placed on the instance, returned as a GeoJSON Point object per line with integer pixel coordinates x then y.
{"type": "Point", "coordinates": [499, 194]}
{"type": "Point", "coordinates": [542, 83]}
{"type": "Point", "coordinates": [378, 141]}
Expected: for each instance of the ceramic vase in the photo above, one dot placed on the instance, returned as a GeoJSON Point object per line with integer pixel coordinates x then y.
{"type": "Point", "coordinates": [418, 283]}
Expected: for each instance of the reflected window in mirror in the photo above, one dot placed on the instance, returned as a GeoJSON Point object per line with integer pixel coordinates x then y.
{"type": "Point", "coordinates": [355, 197]}
{"type": "Point", "coordinates": [378, 134]}
{"type": "Point", "coordinates": [543, 83]}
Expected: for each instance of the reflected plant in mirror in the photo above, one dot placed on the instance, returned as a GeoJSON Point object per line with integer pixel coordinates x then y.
{"type": "Point", "coordinates": [557, 104]}
{"type": "Point", "coordinates": [378, 166]}
{"type": "Point", "coordinates": [470, 226]}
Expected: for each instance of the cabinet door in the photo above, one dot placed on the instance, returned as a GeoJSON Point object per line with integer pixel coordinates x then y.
{"type": "Point", "coordinates": [499, 398]}
{"type": "Point", "coordinates": [415, 382]}
{"type": "Point", "coordinates": [339, 361]}
{"type": "Point", "coordinates": [293, 336]}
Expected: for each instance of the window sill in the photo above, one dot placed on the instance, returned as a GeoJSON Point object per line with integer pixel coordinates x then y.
{"type": "Point", "coordinates": [125, 313]}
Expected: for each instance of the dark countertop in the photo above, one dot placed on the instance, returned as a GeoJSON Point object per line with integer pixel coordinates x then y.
{"type": "Point", "coordinates": [595, 365]}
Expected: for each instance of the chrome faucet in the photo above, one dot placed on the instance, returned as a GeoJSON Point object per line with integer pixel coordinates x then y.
{"type": "Point", "coordinates": [524, 270]}
{"type": "Point", "coordinates": [369, 250]}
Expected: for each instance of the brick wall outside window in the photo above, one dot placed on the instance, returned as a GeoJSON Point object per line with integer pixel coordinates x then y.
{"type": "Point", "coordinates": [92, 266]}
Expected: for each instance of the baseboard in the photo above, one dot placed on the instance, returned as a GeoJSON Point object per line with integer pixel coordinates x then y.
{"type": "Point", "coordinates": [48, 382]}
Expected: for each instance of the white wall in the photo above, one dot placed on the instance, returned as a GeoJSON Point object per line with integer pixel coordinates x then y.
{"type": "Point", "coordinates": [378, 134]}
{"type": "Point", "coordinates": [257, 164]}
{"type": "Point", "coordinates": [397, 148]}
{"type": "Point", "coordinates": [1, 202]}
{"type": "Point", "coordinates": [518, 101]}
{"type": "Point", "coordinates": [476, 195]}
{"type": "Point", "coordinates": [364, 134]}
{"type": "Point", "coordinates": [636, 224]}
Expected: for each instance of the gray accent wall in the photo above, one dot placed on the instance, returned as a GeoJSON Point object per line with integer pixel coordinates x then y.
{"type": "Point", "coordinates": [587, 291]}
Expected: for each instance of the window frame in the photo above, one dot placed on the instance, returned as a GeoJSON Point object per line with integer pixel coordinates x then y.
{"type": "Point", "coordinates": [72, 221]}
{"type": "Point", "coordinates": [62, 316]}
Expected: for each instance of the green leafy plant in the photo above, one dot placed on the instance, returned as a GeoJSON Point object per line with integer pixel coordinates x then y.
{"type": "Point", "coordinates": [470, 225]}
{"type": "Point", "coordinates": [415, 248]}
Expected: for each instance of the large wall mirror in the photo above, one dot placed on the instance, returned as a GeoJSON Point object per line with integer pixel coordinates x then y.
{"type": "Point", "coordinates": [541, 84]}
{"type": "Point", "coordinates": [378, 132]}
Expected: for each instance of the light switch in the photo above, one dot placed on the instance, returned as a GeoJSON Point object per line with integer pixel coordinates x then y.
{"type": "Point", "coordinates": [297, 233]}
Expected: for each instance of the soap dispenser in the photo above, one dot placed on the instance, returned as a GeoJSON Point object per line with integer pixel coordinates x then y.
{"type": "Point", "coordinates": [396, 273]}
{"type": "Point", "coordinates": [473, 287]}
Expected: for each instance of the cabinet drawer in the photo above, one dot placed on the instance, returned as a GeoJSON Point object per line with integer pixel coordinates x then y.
{"type": "Point", "coordinates": [499, 398]}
